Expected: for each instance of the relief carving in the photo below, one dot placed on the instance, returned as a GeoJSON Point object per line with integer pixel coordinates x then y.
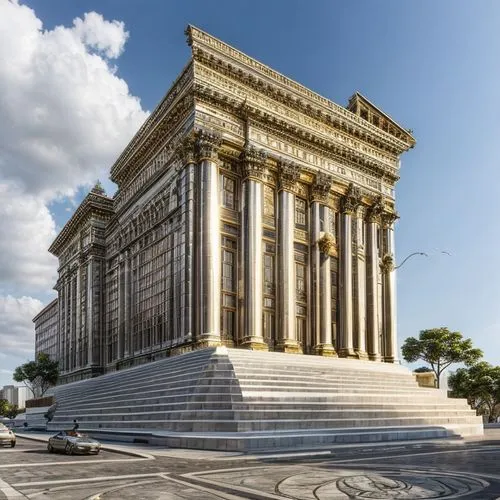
{"type": "Point", "coordinates": [207, 145]}
{"type": "Point", "coordinates": [320, 189]}
{"type": "Point", "coordinates": [289, 174]}
{"type": "Point", "coordinates": [351, 200]}
{"type": "Point", "coordinates": [387, 263]}
{"type": "Point", "coordinates": [327, 245]}
{"type": "Point", "coordinates": [186, 150]}
{"type": "Point", "coordinates": [375, 211]}
{"type": "Point", "coordinates": [253, 163]}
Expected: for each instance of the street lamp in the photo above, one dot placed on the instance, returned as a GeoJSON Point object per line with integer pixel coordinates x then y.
{"type": "Point", "coordinates": [409, 256]}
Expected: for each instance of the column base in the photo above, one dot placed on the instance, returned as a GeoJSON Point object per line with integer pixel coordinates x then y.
{"type": "Point", "coordinates": [374, 357]}
{"type": "Point", "coordinates": [326, 350]}
{"type": "Point", "coordinates": [348, 353]}
{"type": "Point", "coordinates": [290, 346]}
{"type": "Point", "coordinates": [208, 341]}
{"type": "Point", "coordinates": [362, 355]}
{"type": "Point", "coordinates": [254, 345]}
{"type": "Point", "coordinates": [390, 359]}
{"type": "Point", "coordinates": [227, 343]}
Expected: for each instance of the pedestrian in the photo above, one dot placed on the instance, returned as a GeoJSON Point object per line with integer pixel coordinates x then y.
{"type": "Point", "coordinates": [76, 425]}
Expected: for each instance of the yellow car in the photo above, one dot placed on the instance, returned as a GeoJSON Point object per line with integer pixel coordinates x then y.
{"type": "Point", "coordinates": [7, 437]}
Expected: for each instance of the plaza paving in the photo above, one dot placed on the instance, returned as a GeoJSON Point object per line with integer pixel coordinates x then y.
{"type": "Point", "coordinates": [450, 469]}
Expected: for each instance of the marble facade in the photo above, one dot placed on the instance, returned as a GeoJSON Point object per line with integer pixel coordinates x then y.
{"type": "Point", "coordinates": [250, 212]}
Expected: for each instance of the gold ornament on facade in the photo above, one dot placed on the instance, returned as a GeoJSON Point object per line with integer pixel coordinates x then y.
{"type": "Point", "coordinates": [327, 245]}
{"type": "Point", "coordinates": [207, 145]}
{"type": "Point", "coordinates": [387, 263]}
{"type": "Point", "coordinates": [253, 163]}
{"type": "Point", "coordinates": [375, 211]}
{"type": "Point", "coordinates": [351, 200]}
{"type": "Point", "coordinates": [289, 174]}
{"type": "Point", "coordinates": [320, 189]}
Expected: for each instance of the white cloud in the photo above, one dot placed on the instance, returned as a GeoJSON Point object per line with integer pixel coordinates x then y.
{"type": "Point", "coordinates": [65, 113]}
{"type": "Point", "coordinates": [106, 37]}
{"type": "Point", "coordinates": [16, 326]}
{"type": "Point", "coordinates": [65, 117]}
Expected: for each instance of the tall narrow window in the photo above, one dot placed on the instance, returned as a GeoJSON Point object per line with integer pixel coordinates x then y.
{"type": "Point", "coordinates": [300, 212]}
{"type": "Point", "coordinates": [228, 188]}
{"type": "Point", "coordinates": [229, 286]}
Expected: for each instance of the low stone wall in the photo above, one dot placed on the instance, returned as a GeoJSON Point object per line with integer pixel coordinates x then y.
{"type": "Point", "coordinates": [35, 417]}
{"type": "Point", "coordinates": [425, 379]}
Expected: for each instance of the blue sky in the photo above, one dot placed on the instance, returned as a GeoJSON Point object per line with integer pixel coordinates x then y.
{"type": "Point", "coordinates": [432, 66]}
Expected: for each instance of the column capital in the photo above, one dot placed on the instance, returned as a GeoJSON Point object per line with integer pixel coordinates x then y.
{"type": "Point", "coordinates": [186, 151]}
{"type": "Point", "coordinates": [289, 174]}
{"type": "Point", "coordinates": [388, 219]}
{"type": "Point", "coordinates": [253, 163]}
{"type": "Point", "coordinates": [351, 200]}
{"type": "Point", "coordinates": [387, 263]}
{"type": "Point", "coordinates": [327, 245]}
{"type": "Point", "coordinates": [375, 210]}
{"type": "Point", "coordinates": [320, 189]}
{"type": "Point", "coordinates": [207, 146]}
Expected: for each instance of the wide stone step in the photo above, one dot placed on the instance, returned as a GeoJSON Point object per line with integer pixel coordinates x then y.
{"type": "Point", "coordinates": [264, 425]}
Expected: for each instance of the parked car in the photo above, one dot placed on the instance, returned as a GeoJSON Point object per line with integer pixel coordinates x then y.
{"type": "Point", "coordinates": [72, 442]}
{"type": "Point", "coordinates": [7, 436]}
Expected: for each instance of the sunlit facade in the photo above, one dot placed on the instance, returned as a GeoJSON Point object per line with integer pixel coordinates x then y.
{"type": "Point", "coordinates": [250, 212]}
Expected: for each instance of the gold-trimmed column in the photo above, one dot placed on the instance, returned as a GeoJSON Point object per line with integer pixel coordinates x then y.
{"type": "Point", "coordinates": [348, 207]}
{"type": "Point", "coordinates": [208, 305]}
{"type": "Point", "coordinates": [322, 244]}
{"type": "Point", "coordinates": [359, 278]}
{"type": "Point", "coordinates": [289, 174]}
{"type": "Point", "coordinates": [253, 166]}
{"type": "Point", "coordinates": [372, 276]}
{"type": "Point", "coordinates": [389, 337]}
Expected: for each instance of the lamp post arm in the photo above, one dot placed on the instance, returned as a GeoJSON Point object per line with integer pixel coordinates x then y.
{"type": "Point", "coordinates": [409, 256]}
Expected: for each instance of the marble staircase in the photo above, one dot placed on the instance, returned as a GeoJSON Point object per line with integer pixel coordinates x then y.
{"type": "Point", "coordinates": [233, 399]}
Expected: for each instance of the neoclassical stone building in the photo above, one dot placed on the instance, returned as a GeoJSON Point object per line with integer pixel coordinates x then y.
{"type": "Point", "coordinates": [250, 212]}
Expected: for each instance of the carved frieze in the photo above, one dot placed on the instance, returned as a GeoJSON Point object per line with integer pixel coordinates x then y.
{"type": "Point", "coordinates": [207, 146]}
{"type": "Point", "coordinates": [351, 200]}
{"type": "Point", "coordinates": [289, 174]}
{"type": "Point", "coordinates": [320, 188]}
{"type": "Point", "coordinates": [253, 164]}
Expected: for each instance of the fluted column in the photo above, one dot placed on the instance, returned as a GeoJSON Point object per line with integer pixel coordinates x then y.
{"type": "Point", "coordinates": [389, 289]}
{"type": "Point", "coordinates": [208, 238]}
{"type": "Point", "coordinates": [372, 323]}
{"type": "Point", "coordinates": [78, 321]}
{"type": "Point", "coordinates": [360, 280]}
{"type": "Point", "coordinates": [253, 164]}
{"type": "Point", "coordinates": [187, 157]}
{"type": "Point", "coordinates": [322, 243]}
{"type": "Point", "coordinates": [289, 174]}
{"type": "Point", "coordinates": [349, 204]}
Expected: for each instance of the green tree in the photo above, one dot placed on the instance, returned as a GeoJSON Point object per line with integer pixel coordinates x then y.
{"type": "Point", "coordinates": [440, 348]}
{"type": "Point", "coordinates": [480, 385]}
{"type": "Point", "coordinates": [12, 411]}
{"type": "Point", "coordinates": [4, 407]}
{"type": "Point", "coordinates": [38, 375]}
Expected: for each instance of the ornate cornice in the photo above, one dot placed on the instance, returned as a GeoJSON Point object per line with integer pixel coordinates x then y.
{"type": "Point", "coordinates": [212, 52]}
{"type": "Point", "coordinates": [253, 163]}
{"type": "Point", "coordinates": [289, 174]}
{"type": "Point", "coordinates": [320, 189]}
{"type": "Point", "coordinates": [351, 200]}
{"type": "Point", "coordinates": [94, 204]}
{"type": "Point", "coordinates": [153, 130]}
{"type": "Point", "coordinates": [207, 146]}
{"type": "Point", "coordinates": [297, 135]}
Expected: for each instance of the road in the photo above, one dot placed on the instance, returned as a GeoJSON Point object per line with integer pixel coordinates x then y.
{"type": "Point", "coordinates": [468, 470]}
